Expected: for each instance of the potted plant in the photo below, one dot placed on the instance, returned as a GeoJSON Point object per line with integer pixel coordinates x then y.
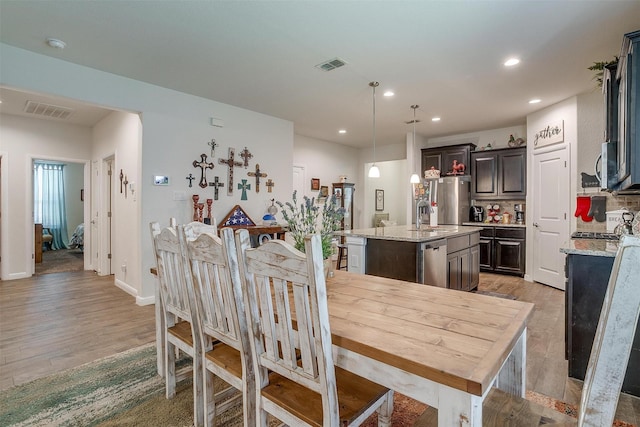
{"type": "Point", "coordinates": [308, 218]}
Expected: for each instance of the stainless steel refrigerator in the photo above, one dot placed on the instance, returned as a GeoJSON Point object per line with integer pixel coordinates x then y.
{"type": "Point", "coordinates": [452, 195]}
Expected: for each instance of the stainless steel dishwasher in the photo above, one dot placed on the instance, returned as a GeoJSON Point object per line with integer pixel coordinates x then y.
{"type": "Point", "coordinates": [434, 263]}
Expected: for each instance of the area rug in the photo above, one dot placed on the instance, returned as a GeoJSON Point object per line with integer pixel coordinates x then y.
{"type": "Point", "coordinates": [125, 390]}
{"type": "Point", "coordinates": [61, 260]}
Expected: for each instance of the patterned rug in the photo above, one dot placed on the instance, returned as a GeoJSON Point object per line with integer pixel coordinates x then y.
{"type": "Point", "coordinates": [61, 260]}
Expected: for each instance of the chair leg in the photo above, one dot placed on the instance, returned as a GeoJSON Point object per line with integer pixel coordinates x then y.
{"type": "Point", "coordinates": [198, 394]}
{"type": "Point", "coordinates": [385, 411]}
{"type": "Point", "coordinates": [170, 370]}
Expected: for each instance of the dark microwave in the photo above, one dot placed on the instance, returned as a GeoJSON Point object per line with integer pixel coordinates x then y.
{"type": "Point", "coordinates": [620, 158]}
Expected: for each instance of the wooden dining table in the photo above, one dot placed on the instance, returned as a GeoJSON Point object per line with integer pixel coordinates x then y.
{"type": "Point", "coordinates": [442, 347]}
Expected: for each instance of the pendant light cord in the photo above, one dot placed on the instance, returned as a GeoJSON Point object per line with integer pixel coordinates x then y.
{"type": "Point", "coordinates": [374, 85]}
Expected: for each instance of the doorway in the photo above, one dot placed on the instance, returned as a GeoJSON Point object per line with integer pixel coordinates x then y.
{"type": "Point", "coordinates": [59, 242]}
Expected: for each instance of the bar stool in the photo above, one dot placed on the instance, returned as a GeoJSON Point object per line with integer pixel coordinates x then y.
{"type": "Point", "coordinates": [343, 253]}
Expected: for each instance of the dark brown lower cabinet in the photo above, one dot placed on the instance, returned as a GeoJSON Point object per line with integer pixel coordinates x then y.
{"type": "Point", "coordinates": [587, 280]}
{"type": "Point", "coordinates": [502, 250]}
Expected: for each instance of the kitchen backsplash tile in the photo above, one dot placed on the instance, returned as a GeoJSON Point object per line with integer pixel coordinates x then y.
{"type": "Point", "coordinates": [631, 202]}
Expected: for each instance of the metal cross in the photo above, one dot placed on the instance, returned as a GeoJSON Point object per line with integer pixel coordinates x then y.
{"type": "Point", "coordinates": [270, 185]}
{"type": "Point", "coordinates": [230, 162]}
{"type": "Point", "coordinates": [125, 182]}
{"type": "Point", "coordinates": [191, 178]}
{"type": "Point", "coordinates": [244, 187]}
{"type": "Point", "coordinates": [246, 155]}
{"type": "Point", "coordinates": [258, 175]}
{"type": "Point", "coordinates": [216, 184]}
{"type": "Point", "coordinates": [203, 165]}
{"type": "Point", "coordinates": [213, 144]}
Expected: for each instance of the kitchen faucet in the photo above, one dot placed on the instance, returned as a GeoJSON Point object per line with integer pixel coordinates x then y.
{"type": "Point", "coordinates": [419, 204]}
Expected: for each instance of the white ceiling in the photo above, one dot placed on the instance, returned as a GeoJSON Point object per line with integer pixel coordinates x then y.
{"type": "Point", "coordinates": [445, 56]}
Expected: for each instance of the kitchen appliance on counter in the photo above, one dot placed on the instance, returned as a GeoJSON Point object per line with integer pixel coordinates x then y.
{"type": "Point", "coordinates": [451, 195]}
{"type": "Point", "coordinates": [476, 214]}
{"type": "Point", "coordinates": [519, 210]}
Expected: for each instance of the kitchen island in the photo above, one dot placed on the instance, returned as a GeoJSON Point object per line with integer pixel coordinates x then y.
{"type": "Point", "coordinates": [444, 256]}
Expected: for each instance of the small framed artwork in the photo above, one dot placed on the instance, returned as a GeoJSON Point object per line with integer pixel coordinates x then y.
{"type": "Point", "coordinates": [338, 192]}
{"type": "Point", "coordinates": [324, 191]}
{"type": "Point", "coordinates": [315, 184]}
{"type": "Point", "coordinates": [379, 200]}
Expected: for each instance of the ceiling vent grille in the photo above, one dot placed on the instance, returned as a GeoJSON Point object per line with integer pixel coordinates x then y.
{"type": "Point", "coordinates": [331, 64]}
{"type": "Point", "coordinates": [47, 110]}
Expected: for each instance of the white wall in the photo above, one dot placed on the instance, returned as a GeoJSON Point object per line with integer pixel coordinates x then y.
{"type": "Point", "coordinates": [590, 134]}
{"type": "Point", "coordinates": [498, 138]}
{"type": "Point", "coordinates": [176, 129]}
{"type": "Point", "coordinates": [25, 139]}
{"type": "Point", "coordinates": [395, 188]}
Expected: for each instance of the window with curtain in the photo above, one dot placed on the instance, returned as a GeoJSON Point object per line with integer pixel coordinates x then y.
{"type": "Point", "coordinates": [48, 204]}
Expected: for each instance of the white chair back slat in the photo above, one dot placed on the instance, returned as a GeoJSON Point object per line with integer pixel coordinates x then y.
{"type": "Point", "coordinates": [614, 338]}
{"type": "Point", "coordinates": [212, 284]}
{"type": "Point", "coordinates": [276, 273]}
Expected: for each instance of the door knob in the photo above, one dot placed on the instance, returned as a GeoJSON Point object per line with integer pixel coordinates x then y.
{"type": "Point", "coordinates": [535, 224]}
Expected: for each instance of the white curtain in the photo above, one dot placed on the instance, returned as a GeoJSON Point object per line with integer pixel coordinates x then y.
{"type": "Point", "coordinates": [48, 204]}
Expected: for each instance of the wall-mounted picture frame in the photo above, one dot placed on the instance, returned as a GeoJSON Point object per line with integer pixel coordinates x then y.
{"type": "Point", "coordinates": [324, 191]}
{"type": "Point", "coordinates": [379, 200]}
{"type": "Point", "coordinates": [160, 180]}
{"type": "Point", "coordinates": [315, 184]}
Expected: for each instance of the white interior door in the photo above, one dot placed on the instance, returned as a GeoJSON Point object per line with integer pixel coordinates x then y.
{"type": "Point", "coordinates": [299, 180]}
{"type": "Point", "coordinates": [551, 203]}
{"type": "Point", "coordinates": [95, 216]}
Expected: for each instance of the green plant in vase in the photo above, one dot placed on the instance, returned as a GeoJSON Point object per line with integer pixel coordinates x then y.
{"type": "Point", "coordinates": [308, 218]}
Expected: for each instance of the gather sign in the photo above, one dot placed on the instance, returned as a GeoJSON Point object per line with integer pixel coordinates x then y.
{"type": "Point", "coordinates": [550, 134]}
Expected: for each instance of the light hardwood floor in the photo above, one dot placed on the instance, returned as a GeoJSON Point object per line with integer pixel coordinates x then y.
{"type": "Point", "coordinates": [57, 321]}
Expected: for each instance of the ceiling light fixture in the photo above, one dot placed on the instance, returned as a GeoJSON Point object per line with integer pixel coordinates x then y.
{"type": "Point", "coordinates": [342, 131]}
{"type": "Point", "coordinates": [415, 178]}
{"type": "Point", "coordinates": [535, 101]}
{"type": "Point", "coordinates": [56, 43]}
{"type": "Point", "coordinates": [511, 62]}
{"type": "Point", "coordinates": [435, 119]}
{"type": "Point", "coordinates": [374, 172]}
{"type": "Point", "coordinates": [389, 93]}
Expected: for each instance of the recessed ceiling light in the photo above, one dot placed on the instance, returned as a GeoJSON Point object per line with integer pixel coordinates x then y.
{"type": "Point", "coordinates": [435, 119]}
{"type": "Point", "coordinates": [535, 101]}
{"type": "Point", "coordinates": [55, 43]}
{"type": "Point", "coordinates": [389, 93]}
{"type": "Point", "coordinates": [511, 62]}
{"type": "Point", "coordinates": [342, 131]}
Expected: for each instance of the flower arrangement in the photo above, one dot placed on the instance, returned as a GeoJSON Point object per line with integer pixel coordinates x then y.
{"type": "Point", "coordinates": [305, 218]}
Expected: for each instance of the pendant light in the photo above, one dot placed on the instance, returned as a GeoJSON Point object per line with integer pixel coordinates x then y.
{"type": "Point", "coordinates": [415, 178]}
{"type": "Point", "coordinates": [374, 172]}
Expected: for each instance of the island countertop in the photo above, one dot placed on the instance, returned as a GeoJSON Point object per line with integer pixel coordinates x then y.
{"type": "Point", "coordinates": [593, 247]}
{"type": "Point", "coordinates": [408, 233]}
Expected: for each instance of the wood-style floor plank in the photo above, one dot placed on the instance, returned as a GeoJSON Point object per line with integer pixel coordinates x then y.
{"type": "Point", "coordinates": [56, 321]}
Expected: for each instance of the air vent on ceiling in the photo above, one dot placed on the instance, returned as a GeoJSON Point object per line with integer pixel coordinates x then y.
{"type": "Point", "coordinates": [47, 110]}
{"type": "Point", "coordinates": [331, 64]}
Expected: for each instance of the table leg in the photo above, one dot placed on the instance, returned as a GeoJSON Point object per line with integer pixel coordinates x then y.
{"type": "Point", "coordinates": [458, 408]}
{"type": "Point", "coordinates": [512, 375]}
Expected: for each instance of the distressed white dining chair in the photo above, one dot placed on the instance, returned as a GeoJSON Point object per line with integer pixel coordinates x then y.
{"type": "Point", "coordinates": [607, 362]}
{"type": "Point", "coordinates": [176, 299]}
{"type": "Point", "coordinates": [214, 276]}
{"type": "Point", "coordinates": [286, 301]}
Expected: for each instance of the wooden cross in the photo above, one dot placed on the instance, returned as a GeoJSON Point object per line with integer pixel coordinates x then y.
{"type": "Point", "coordinates": [203, 165]}
{"type": "Point", "coordinates": [270, 185]}
{"type": "Point", "coordinates": [230, 162]}
{"type": "Point", "coordinates": [216, 184]}
{"type": "Point", "coordinates": [244, 187]}
{"type": "Point", "coordinates": [258, 175]}
{"type": "Point", "coordinates": [213, 144]}
{"type": "Point", "coordinates": [191, 178]}
{"type": "Point", "coordinates": [125, 182]}
{"type": "Point", "coordinates": [121, 178]}
{"type": "Point", "coordinates": [246, 155]}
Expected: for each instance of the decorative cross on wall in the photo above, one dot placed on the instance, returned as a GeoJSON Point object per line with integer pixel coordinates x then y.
{"type": "Point", "coordinates": [246, 155]}
{"type": "Point", "coordinates": [216, 184]}
{"type": "Point", "coordinates": [121, 178]}
{"type": "Point", "coordinates": [213, 144]}
{"type": "Point", "coordinates": [191, 178]}
{"type": "Point", "coordinates": [258, 175]}
{"type": "Point", "coordinates": [203, 165]}
{"type": "Point", "coordinates": [231, 163]}
{"type": "Point", "coordinates": [125, 182]}
{"type": "Point", "coordinates": [270, 185]}
{"type": "Point", "coordinates": [244, 186]}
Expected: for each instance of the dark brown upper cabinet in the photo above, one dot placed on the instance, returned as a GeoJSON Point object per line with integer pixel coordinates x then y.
{"type": "Point", "coordinates": [499, 174]}
{"type": "Point", "coordinates": [441, 158]}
